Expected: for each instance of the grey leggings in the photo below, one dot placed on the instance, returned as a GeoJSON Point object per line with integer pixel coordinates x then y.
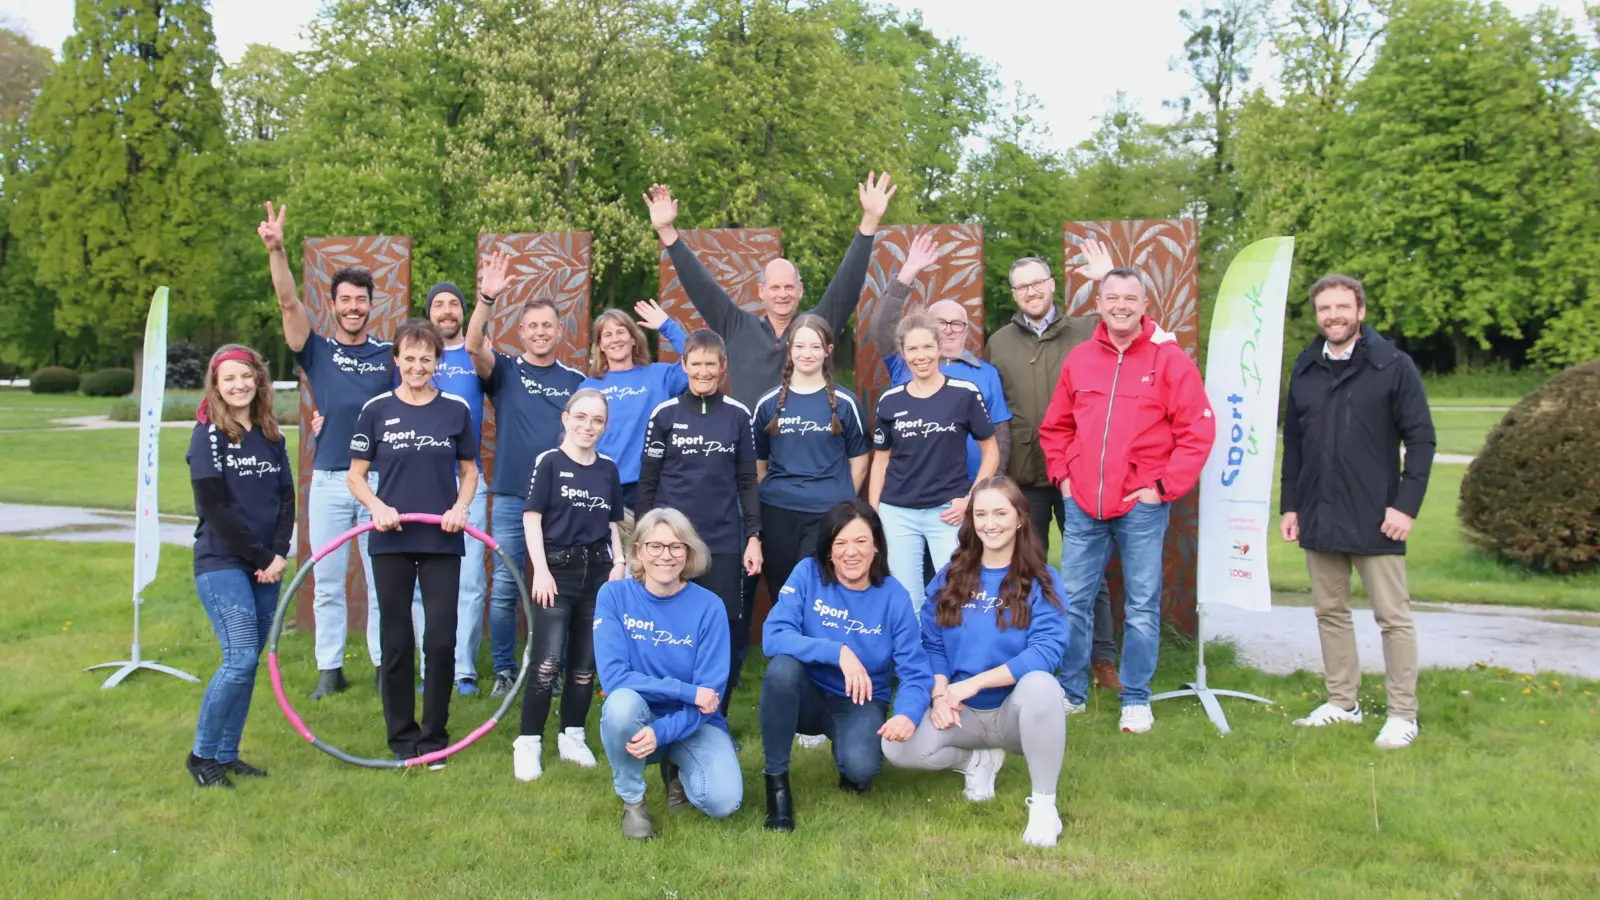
{"type": "Point", "coordinates": [1030, 721]}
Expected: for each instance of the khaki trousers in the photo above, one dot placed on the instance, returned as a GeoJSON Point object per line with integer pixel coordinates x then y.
{"type": "Point", "coordinates": [1385, 580]}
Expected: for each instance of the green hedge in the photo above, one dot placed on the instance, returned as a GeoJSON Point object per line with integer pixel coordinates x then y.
{"type": "Point", "coordinates": [180, 405]}
{"type": "Point", "coordinates": [108, 383]}
{"type": "Point", "coordinates": [53, 380]}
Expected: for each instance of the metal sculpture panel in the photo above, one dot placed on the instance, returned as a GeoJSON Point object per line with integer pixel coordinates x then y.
{"type": "Point", "coordinates": [735, 257]}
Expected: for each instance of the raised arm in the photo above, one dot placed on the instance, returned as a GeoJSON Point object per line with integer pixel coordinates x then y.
{"type": "Point", "coordinates": [491, 286]}
{"type": "Point", "coordinates": [839, 301]}
{"type": "Point", "coordinates": [923, 253]}
{"type": "Point", "coordinates": [721, 314]}
{"type": "Point", "coordinates": [653, 317]}
{"type": "Point", "coordinates": [296, 321]}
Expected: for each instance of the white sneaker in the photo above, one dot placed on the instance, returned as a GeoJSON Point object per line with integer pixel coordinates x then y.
{"type": "Point", "coordinates": [525, 757]}
{"type": "Point", "coordinates": [1137, 719]}
{"type": "Point", "coordinates": [1328, 714]}
{"type": "Point", "coordinates": [1073, 709]}
{"type": "Point", "coordinates": [811, 741]}
{"type": "Point", "coordinates": [980, 772]}
{"type": "Point", "coordinates": [570, 745]}
{"type": "Point", "coordinates": [1396, 733]}
{"type": "Point", "coordinates": [1044, 823]}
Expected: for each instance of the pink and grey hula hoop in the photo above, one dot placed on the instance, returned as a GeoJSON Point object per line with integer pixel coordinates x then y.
{"type": "Point", "coordinates": [294, 717]}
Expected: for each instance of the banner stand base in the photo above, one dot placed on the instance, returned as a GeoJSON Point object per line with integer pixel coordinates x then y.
{"type": "Point", "coordinates": [1198, 687]}
{"type": "Point", "coordinates": [130, 666]}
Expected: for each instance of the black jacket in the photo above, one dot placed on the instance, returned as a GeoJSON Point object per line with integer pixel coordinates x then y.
{"type": "Point", "coordinates": [695, 449]}
{"type": "Point", "coordinates": [1341, 446]}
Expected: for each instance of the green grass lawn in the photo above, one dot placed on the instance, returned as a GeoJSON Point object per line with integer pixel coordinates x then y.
{"type": "Point", "coordinates": [1464, 431]}
{"type": "Point", "coordinates": [1494, 800]}
{"type": "Point", "coordinates": [20, 409]}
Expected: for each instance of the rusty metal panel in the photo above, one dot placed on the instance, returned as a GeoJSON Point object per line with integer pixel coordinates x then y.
{"type": "Point", "coordinates": [735, 257]}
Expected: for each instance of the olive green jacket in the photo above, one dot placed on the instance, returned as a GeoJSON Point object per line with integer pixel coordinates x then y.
{"type": "Point", "coordinates": [1030, 365]}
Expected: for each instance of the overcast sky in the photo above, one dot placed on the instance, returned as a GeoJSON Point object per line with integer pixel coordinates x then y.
{"type": "Point", "coordinates": [1073, 55]}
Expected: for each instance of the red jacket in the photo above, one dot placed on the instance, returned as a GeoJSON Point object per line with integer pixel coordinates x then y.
{"type": "Point", "coordinates": [1119, 422]}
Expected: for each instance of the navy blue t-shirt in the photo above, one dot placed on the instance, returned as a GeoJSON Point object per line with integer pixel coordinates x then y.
{"type": "Point", "coordinates": [808, 466]}
{"type": "Point", "coordinates": [927, 442]}
{"type": "Point", "coordinates": [342, 378]}
{"type": "Point", "coordinates": [252, 471]}
{"type": "Point", "coordinates": [528, 403]}
{"type": "Point", "coordinates": [414, 450]}
{"type": "Point", "coordinates": [577, 502]}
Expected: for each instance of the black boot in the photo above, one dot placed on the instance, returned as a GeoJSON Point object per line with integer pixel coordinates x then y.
{"type": "Point", "coordinates": [676, 798]}
{"type": "Point", "coordinates": [207, 772]}
{"type": "Point", "coordinates": [858, 788]}
{"type": "Point", "coordinates": [780, 803]}
{"type": "Point", "coordinates": [329, 682]}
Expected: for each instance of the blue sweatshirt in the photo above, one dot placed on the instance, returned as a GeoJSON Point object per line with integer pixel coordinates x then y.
{"type": "Point", "coordinates": [455, 375]}
{"type": "Point", "coordinates": [630, 396]}
{"type": "Point", "coordinates": [978, 645]}
{"type": "Point", "coordinates": [811, 621]}
{"type": "Point", "coordinates": [666, 648]}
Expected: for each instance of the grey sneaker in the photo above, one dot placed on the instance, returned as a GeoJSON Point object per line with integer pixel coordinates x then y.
{"type": "Point", "coordinates": [329, 682]}
{"type": "Point", "coordinates": [676, 798]}
{"type": "Point", "coordinates": [636, 822]}
{"type": "Point", "coordinates": [503, 683]}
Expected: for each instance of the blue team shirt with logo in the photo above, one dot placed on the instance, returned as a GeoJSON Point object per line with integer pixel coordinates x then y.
{"type": "Point", "coordinates": [528, 403]}
{"type": "Point", "coordinates": [414, 450]}
{"type": "Point", "coordinates": [252, 471]}
{"type": "Point", "coordinates": [810, 621]}
{"type": "Point", "coordinates": [927, 442]}
{"type": "Point", "coordinates": [984, 375]}
{"type": "Point", "coordinates": [808, 466]}
{"type": "Point", "coordinates": [630, 396]}
{"type": "Point", "coordinates": [664, 648]}
{"type": "Point", "coordinates": [455, 375]}
{"type": "Point", "coordinates": [978, 644]}
{"type": "Point", "coordinates": [577, 503]}
{"type": "Point", "coordinates": [342, 378]}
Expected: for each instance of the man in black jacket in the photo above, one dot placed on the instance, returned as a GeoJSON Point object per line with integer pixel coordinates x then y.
{"type": "Point", "coordinates": [1354, 398]}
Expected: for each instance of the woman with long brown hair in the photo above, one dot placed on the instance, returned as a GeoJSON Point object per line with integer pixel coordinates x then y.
{"type": "Point", "coordinates": [993, 629]}
{"type": "Point", "coordinates": [244, 495]}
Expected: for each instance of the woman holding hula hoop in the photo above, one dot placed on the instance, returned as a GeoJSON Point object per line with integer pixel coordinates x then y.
{"type": "Point", "coordinates": [661, 646]}
{"type": "Point", "coordinates": [919, 466]}
{"type": "Point", "coordinates": [424, 447]}
{"type": "Point", "coordinates": [575, 545]}
{"type": "Point", "coordinates": [244, 495]}
{"type": "Point", "coordinates": [841, 632]}
{"type": "Point", "coordinates": [620, 368]}
{"type": "Point", "coordinates": [994, 630]}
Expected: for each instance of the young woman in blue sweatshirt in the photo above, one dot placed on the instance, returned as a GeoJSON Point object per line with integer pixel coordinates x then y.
{"type": "Point", "coordinates": [992, 625]}
{"type": "Point", "coordinates": [697, 446]}
{"type": "Point", "coordinates": [661, 648]}
{"type": "Point", "coordinates": [620, 368]}
{"type": "Point", "coordinates": [244, 494]}
{"type": "Point", "coordinates": [841, 632]}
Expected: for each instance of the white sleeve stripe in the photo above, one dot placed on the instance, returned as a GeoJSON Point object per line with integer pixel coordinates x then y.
{"type": "Point", "coordinates": [377, 398]}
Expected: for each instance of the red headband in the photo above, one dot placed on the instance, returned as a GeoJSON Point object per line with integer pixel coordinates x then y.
{"type": "Point", "coordinates": [201, 413]}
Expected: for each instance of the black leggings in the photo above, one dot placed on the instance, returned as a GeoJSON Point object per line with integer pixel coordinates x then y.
{"type": "Point", "coordinates": [726, 579]}
{"type": "Point", "coordinates": [396, 576]}
{"type": "Point", "coordinates": [786, 538]}
{"type": "Point", "coordinates": [566, 625]}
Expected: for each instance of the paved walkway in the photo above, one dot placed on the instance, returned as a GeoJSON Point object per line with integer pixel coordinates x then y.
{"type": "Point", "coordinates": [71, 523]}
{"type": "Point", "coordinates": [98, 423]}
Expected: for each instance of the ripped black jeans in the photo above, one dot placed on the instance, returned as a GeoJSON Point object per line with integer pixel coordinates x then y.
{"type": "Point", "coordinates": [566, 629]}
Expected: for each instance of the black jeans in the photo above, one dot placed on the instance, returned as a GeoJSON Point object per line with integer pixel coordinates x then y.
{"type": "Point", "coordinates": [396, 576]}
{"type": "Point", "coordinates": [725, 578]}
{"type": "Point", "coordinates": [786, 538]}
{"type": "Point", "coordinates": [1042, 504]}
{"type": "Point", "coordinates": [791, 703]}
{"type": "Point", "coordinates": [566, 629]}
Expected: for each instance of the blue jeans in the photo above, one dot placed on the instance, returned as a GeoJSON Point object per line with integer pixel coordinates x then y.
{"type": "Point", "coordinates": [241, 612]}
{"type": "Point", "coordinates": [1085, 551]}
{"type": "Point", "coordinates": [909, 532]}
{"type": "Point", "coordinates": [505, 516]}
{"type": "Point", "coordinates": [332, 510]}
{"type": "Point", "coordinates": [791, 703]}
{"type": "Point", "coordinates": [469, 605]}
{"type": "Point", "coordinates": [707, 763]}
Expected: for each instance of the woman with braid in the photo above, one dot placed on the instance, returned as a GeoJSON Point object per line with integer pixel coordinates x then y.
{"type": "Point", "coordinates": [812, 450]}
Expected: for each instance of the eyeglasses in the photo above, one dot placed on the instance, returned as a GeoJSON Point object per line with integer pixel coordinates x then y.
{"type": "Point", "coordinates": [952, 325]}
{"type": "Point", "coordinates": [655, 549]}
{"type": "Point", "coordinates": [1042, 286]}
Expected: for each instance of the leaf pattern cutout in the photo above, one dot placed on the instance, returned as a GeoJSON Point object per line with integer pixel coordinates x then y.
{"type": "Point", "coordinates": [735, 258]}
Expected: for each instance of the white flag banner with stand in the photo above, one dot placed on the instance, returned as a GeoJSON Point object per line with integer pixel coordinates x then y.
{"type": "Point", "coordinates": [147, 518]}
{"type": "Point", "coordinates": [1244, 360]}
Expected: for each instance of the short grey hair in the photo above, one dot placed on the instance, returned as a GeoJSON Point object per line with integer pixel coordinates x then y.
{"type": "Point", "coordinates": [696, 559]}
{"type": "Point", "coordinates": [1028, 261]}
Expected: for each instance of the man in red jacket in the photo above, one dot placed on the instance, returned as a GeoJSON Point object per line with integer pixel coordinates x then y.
{"type": "Point", "coordinates": [1127, 432]}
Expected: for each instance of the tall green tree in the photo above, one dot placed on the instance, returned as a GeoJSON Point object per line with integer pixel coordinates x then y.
{"type": "Point", "coordinates": [129, 189]}
{"type": "Point", "coordinates": [28, 335]}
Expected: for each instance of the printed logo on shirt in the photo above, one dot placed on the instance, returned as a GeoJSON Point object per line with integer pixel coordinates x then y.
{"type": "Point", "coordinates": [840, 618]}
{"type": "Point", "coordinates": [250, 465]}
{"type": "Point", "coordinates": [680, 425]}
{"type": "Point", "coordinates": [879, 439]}
{"type": "Point", "coordinates": [353, 366]}
{"type": "Point", "coordinates": [918, 428]}
{"type": "Point", "coordinates": [692, 445]}
{"type": "Point", "coordinates": [623, 391]}
{"type": "Point", "coordinates": [582, 499]}
{"type": "Point", "coordinates": [646, 630]}
{"type": "Point", "coordinates": [982, 602]}
{"type": "Point", "coordinates": [656, 450]}
{"type": "Point", "coordinates": [532, 386]}
{"type": "Point", "coordinates": [802, 425]}
{"type": "Point", "coordinates": [409, 439]}
{"type": "Point", "coordinates": [360, 444]}
{"type": "Point", "coordinates": [450, 370]}
{"type": "Point", "coordinates": [567, 475]}
{"type": "Point", "coordinates": [394, 421]}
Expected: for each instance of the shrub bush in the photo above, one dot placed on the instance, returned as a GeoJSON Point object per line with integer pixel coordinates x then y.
{"type": "Point", "coordinates": [186, 366]}
{"type": "Point", "coordinates": [1533, 495]}
{"type": "Point", "coordinates": [53, 380]}
{"type": "Point", "coordinates": [108, 383]}
{"type": "Point", "coordinates": [179, 407]}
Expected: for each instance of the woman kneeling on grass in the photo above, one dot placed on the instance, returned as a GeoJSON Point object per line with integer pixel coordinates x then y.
{"type": "Point", "coordinates": [244, 496]}
{"type": "Point", "coordinates": [992, 687]}
{"type": "Point", "coordinates": [572, 520]}
{"type": "Point", "coordinates": [841, 629]}
{"type": "Point", "coordinates": [661, 646]}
